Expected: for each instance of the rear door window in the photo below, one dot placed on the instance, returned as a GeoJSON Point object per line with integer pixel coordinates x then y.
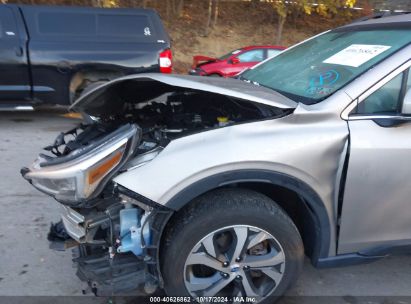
{"type": "Point", "coordinates": [124, 25]}
{"type": "Point", "coordinates": [272, 53]}
{"type": "Point", "coordinates": [89, 25]}
{"type": "Point", "coordinates": [79, 24]}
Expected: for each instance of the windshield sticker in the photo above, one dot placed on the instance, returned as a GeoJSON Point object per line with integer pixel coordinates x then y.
{"type": "Point", "coordinates": [322, 84]}
{"type": "Point", "coordinates": [235, 52]}
{"type": "Point", "coordinates": [356, 54]}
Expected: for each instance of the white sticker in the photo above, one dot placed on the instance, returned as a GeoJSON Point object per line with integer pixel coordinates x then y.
{"type": "Point", "coordinates": [356, 54]}
{"type": "Point", "coordinates": [147, 31]}
{"type": "Point", "coordinates": [10, 34]}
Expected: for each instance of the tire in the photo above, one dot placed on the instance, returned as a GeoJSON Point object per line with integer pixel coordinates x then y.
{"type": "Point", "coordinates": [213, 226]}
{"type": "Point", "coordinates": [215, 75]}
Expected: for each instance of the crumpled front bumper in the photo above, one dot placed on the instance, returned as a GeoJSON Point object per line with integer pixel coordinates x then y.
{"type": "Point", "coordinates": [74, 223]}
{"type": "Point", "coordinates": [83, 227]}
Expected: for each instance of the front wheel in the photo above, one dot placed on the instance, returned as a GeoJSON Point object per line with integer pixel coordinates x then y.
{"type": "Point", "coordinates": [232, 243]}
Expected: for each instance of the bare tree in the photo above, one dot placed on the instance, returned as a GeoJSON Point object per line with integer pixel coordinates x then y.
{"type": "Point", "coordinates": [208, 24]}
{"type": "Point", "coordinates": [178, 8]}
{"type": "Point", "coordinates": [280, 28]}
{"type": "Point", "coordinates": [215, 13]}
{"type": "Point", "coordinates": [174, 8]}
{"type": "Point", "coordinates": [212, 16]}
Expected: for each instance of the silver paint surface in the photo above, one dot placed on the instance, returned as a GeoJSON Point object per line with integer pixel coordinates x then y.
{"type": "Point", "coordinates": [310, 144]}
{"type": "Point", "coordinates": [376, 208]}
{"type": "Point", "coordinates": [298, 145]}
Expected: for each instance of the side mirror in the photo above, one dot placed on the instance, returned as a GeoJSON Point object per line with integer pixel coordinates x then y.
{"type": "Point", "coordinates": [406, 104]}
{"type": "Point", "coordinates": [235, 60]}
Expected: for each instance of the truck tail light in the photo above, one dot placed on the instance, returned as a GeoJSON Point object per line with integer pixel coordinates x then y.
{"type": "Point", "coordinates": [166, 65]}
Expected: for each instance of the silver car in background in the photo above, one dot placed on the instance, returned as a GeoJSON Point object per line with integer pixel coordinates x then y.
{"type": "Point", "coordinates": [219, 187]}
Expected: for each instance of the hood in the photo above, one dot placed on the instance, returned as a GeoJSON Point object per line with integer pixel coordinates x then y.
{"type": "Point", "coordinates": [111, 97]}
{"type": "Point", "coordinates": [199, 60]}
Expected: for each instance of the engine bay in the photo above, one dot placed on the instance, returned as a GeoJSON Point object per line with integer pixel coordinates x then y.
{"type": "Point", "coordinates": [167, 117]}
{"type": "Point", "coordinates": [183, 113]}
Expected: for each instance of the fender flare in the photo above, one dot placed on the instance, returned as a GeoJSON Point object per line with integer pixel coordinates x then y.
{"type": "Point", "coordinates": [312, 199]}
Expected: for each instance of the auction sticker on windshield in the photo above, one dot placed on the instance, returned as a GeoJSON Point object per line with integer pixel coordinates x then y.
{"type": "Point", "coordinates": [356, 54]}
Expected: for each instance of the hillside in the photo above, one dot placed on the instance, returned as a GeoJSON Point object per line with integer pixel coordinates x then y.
{"type": "Point", "coordinates": [239, 24]}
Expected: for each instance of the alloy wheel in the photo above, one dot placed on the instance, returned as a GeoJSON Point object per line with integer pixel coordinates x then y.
{"type": "Point", "coordinates": [235, 261]}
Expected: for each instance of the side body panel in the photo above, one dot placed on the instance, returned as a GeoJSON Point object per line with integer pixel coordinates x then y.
{"type": "Point", "coordinates": [56, 57]}
{"type": "Point", "coordinates": [376, 210]}
{"type": "Point", "coordinates": [14, 70]}
{"type": "Point", "coordinates": [377, 200]}
{"type": "Point", "coordinates": [305, 145]}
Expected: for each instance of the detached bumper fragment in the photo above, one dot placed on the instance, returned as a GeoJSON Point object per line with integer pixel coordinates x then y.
{"type": "Point", "coordinates": [105, 276]}
{"type": "Point", "coordinates": [58, 237]}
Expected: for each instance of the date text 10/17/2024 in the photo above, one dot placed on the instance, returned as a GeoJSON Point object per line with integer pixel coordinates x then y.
{"type": "Point", "coordinates": [203, 300]}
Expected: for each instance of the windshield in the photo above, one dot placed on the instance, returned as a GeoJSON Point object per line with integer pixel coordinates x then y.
{"type": "Point", "coordinates": [228, 55]}
{"type": "Point", "coordinates": [315, 69]}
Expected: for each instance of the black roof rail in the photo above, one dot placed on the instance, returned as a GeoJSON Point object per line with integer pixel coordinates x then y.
{"type": "Point", "coordinates": [382, 14]}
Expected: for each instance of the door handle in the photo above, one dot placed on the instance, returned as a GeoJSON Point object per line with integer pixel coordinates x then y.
{"type": "Point", "coordinates": [19, 51]}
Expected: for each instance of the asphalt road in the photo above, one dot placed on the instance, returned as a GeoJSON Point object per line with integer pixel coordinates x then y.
{"type": "Point", "coordinates": [29, 268]}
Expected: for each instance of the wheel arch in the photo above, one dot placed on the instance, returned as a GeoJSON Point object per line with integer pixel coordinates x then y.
{"type": "Point", "coordinates": [319, 235]}
{"type": "Point", "coordinates": [82, 78]}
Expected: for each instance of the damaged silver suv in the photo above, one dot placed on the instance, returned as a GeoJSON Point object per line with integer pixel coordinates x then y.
{"type": "Point", "coordinates": [219, 187]}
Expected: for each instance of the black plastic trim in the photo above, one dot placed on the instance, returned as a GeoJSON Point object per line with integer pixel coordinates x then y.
{"type": "Point", "coordinates": [140, 198]}
{"type": "Point", "coordinates": [314, 202]}
{"type": "Point", "coordinates": [346, 260]}
{"type": "Point", "coordinates": [392, 248]}
{"type": "Point", "coordinates": [400, 25]}
{"type": "Point", "coordinates": [366, 255]}
{"type": "Point", "coordinates": [342, 184]}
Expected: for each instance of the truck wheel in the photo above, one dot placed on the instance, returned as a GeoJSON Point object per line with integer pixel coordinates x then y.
{"type": "Point", "coordinates": [229, 243]}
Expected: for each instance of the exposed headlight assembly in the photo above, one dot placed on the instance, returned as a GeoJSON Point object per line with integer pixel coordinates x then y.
{"type": "Point", "coordinates": [82, 174]}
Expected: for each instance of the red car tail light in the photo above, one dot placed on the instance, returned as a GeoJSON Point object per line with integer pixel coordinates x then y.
{"type": "Point", "coordinates": [165, 60]}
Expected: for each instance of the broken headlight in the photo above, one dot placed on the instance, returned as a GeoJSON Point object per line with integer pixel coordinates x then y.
{"type": "Point", "coordinates": [83, 175]}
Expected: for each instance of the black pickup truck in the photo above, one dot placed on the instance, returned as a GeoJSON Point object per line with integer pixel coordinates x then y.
{"type": "Point", "coordinates": [50, 54]}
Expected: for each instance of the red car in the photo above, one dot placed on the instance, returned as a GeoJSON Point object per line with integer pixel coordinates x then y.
{"type": "Point", "coordinates": [234, 62]}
